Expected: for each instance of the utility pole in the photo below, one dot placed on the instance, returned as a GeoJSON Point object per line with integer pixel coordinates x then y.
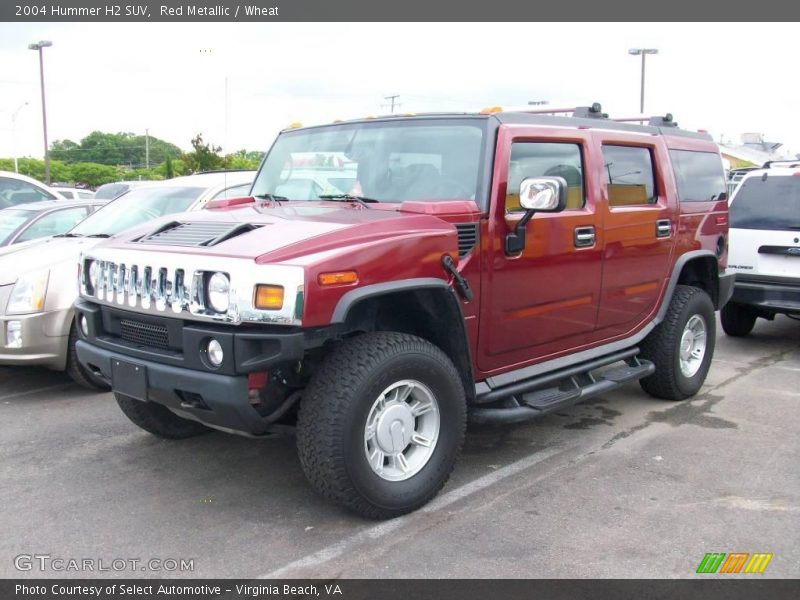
{"type": "Point", "coordinates": [147, 148]}
{"type": "Point", "coordinates": [393, 101]}
{"type": "Point", "coordinates": [14, 134]}
{"type": "Point", "coordinates": [39, 46]}
{"type": "Point", "coordinates": [643, 52]}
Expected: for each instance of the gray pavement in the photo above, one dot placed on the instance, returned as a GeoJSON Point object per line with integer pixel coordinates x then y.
{"type": "Point", "coordinates": [622, 486]}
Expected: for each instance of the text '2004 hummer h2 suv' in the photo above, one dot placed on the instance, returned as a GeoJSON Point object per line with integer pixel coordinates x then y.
{"type": "Point", "coordinates": [390, 278]}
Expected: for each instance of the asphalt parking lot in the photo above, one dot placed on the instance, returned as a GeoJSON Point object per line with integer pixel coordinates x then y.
{"type": "Point", "coordinates": [623, 486]}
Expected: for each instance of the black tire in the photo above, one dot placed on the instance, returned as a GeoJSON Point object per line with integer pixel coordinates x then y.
{"type": "Point", "coordinates": [737, 319]}
{"type": "Point", "coordinates": [157, 419]}
{"type": "Point", "coordinates": [662, 346]}
{"type": "Point", "coordinates": [80, 374]}
{"type": "Point", "coordinates": [335, 408]}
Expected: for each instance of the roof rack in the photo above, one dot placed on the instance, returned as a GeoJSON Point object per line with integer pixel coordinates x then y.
{"type": "Point", "coordinates": [790, 163]}
{"type": "Point", "coordinates": [595, 111]}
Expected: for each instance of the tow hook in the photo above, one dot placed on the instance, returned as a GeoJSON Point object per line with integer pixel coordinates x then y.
{"type": "Point", "coordinates": [462, 285]}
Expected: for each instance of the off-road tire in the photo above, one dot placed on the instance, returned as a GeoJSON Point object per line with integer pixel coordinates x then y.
{"type": "Point", "coordinates": [662, 346]}
{"type": "Point", "coordinates": [737, 319]}
{"type": "Point", "coordinates": [80, 374]}
{"type": "Point", "coordinates": [157, 419]}
{"type": "Point", "coordinates": [334, 411]}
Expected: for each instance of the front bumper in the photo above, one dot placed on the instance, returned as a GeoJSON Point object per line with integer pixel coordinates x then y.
{"type": "Point", "coordinates": [45, 339]}
{"type": "Point", "coordinates": [726, 285]}
{"type": "Point", "coordinates": [219, 401]}
{"type": "Point", "coordinates": [769, 295]}
{"type": "Point", "coordinates": [179, 376]}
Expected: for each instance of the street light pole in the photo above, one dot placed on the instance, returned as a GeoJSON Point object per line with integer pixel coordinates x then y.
{"type": "Point", "coordinates": [14, 134]}
{"type": "Point", "coordinates": [643, 52]}
{"type": "Point", "coordinates": [39, 46]}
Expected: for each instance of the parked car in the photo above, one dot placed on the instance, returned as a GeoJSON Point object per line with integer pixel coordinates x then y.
{"type": "Point", "coordinates": [38, 286]}
{"type": "Point", "coordinates": [72, 193]}
{"type": "Point", "coordinates": [494, 267]}
{"type": "Point", "coordinates": [21, 189]}
{"type": "Point", "coordinates": [109, 191]}
{"type": "Point", "coordinates": [28, 222]}
{"type": "Point", "coordinates": [764, 248]}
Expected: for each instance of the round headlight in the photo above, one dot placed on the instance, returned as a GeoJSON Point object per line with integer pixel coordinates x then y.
{"type": "Point", "coordinates": [215, 354]}
{"type": "Point", "coordinates": [219, 288]}
{"type": "Point", "coordinates": [93, 272]}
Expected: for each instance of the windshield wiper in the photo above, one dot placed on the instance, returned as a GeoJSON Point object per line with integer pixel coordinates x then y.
{"type": "Point", "coordinates": [272, 197]}
{"type": "Point", "coordinates": [99, 235]}
{"type": "Point", "coordinates": [348, 198]}
{"type": "Point", "coordinates": [69, 235]}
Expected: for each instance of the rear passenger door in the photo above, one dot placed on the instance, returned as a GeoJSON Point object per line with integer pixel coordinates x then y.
{"type": "Point", "coordinates": [639, 224]}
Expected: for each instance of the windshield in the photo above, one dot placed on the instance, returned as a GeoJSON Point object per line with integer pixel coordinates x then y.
{"type": "Point", "coordinates": [771, 203]}
{"type": "Point", "coordinates": [138, 206]}
{"type": "Point", "coordinates": [10, 221]}
{"type": "Point", "coordinates": [109, 191]}
{"type": "Point", "coordinates": [424, 159]}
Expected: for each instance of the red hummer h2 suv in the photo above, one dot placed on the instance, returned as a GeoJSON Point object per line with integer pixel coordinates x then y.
{"type": "Point", "coordinates": [389, 279]}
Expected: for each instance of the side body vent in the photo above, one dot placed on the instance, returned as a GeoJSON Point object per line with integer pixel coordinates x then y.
{"type": "Point", "coordinates": [467, 238]}
{"type": "Point", "coordinates": [195, 234]}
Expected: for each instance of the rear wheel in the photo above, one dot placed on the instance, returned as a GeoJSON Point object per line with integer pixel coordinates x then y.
{"type": "Point", "coordinates": [681, 346]}
{"type": "Point", "coordinates": [381, 424]}
{"type": "Point", "coordinates": [157, 419]}
{"type": "Point", "coordinates": [737, 319]}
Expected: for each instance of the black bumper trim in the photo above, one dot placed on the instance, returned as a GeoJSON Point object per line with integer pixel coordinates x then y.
{"type": "Point", "coordinates": [224, 397]}
{"type": "Point", "coordinates": [726, 285]}
{"type": "Point", "coordinates": [770, 297]}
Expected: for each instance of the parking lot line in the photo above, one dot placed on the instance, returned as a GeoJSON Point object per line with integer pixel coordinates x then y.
{"type": "Point", "coordinates": [381, 529]}
{"type": "Point", "coordinates": [36, 391]}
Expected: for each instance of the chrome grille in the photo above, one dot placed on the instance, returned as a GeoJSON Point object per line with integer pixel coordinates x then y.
{"type": "Point", "coordinates": [144, 334]}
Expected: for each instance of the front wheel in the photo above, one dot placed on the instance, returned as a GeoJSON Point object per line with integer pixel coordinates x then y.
{"type": "Point", "coordinates": [157, 419]}
{"type": "Point", "coordinates": [381, 424]}
{"type": "Point", "coordinates": [681, 346]}
{"type": "Point", "coordinates": [80, 374]}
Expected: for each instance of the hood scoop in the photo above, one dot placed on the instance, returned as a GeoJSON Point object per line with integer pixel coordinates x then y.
{"type": "Point", "coordinates": [199, 233]}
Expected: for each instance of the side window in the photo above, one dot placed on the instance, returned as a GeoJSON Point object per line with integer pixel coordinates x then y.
{"type": "Point", "coordinates": [539, 159]}
{"type": "Point", "coordinates": [14, 191]}
{"type": "Point", "coordinates": [699, 175]}
{"type": "Point", "coordinates": [236, 191]}
{"type": "Point", "coordinates": [629, 175]}
{"type": "Point", "coordinates": [53, 224]}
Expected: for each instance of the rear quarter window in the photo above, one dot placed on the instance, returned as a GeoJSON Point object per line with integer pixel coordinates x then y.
{"type": "Point", "coordinates": [771, 202]}
{"type": "Point", "coordinates": [699, 175]}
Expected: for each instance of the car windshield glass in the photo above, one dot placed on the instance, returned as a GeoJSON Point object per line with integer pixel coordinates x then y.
{"type": "Point", "coordinates": [385, 161]}
{"type": "Point", "coordinates": [10, 221]}
{"type": "Point", "coordinates": [110, 190]}
{"type": "Point", "coordinates": [771, 203]}
{"type": "Point", "coordinates": [136, 207]}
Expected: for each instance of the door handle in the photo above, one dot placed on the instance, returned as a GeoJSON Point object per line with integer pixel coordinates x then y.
{"type": "Point", "coordinates": [584, 237]}
{"type": "Point", "coordinates": [663, 228]}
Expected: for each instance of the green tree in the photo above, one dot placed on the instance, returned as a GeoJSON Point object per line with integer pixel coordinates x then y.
{"type": "Point", "coordinates": [93, 174]}
{"type": "Point", "coordinates": [113, 149]}
{"type": "Point", "coordinates": [203, 157]}
{"type": "Point", "coordinates": [169, 169]}
{"type": "Point", "coordinates": [244, 160]}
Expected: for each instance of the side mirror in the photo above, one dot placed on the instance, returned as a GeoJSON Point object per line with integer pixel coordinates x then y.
{"type": "Point", "coordinates": [536, 194]}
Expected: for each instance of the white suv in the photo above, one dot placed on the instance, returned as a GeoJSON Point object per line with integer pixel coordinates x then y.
{"type": "Point", "coordinates": [764, 247]}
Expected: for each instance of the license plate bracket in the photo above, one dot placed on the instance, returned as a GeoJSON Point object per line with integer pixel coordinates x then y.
{"type": "Point", "coordinates": [129, 379]}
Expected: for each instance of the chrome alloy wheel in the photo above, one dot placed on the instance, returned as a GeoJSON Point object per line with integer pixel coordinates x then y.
{"type": "Point", "coordinates": [401, 431]}
{"type": "Point", "coordinates": [693, 345]}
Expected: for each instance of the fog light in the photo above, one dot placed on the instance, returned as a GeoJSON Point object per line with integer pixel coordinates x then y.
{"type": "Point", "coordinates": [215, 354]}
{"type": "Point", "coordinates": [84, 325]}
{"type": "Point", "coordinates": [14, 334]}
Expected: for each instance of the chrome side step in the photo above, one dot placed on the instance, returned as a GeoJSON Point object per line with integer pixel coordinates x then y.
{"type": "Point", "coordinates": [542, 395]}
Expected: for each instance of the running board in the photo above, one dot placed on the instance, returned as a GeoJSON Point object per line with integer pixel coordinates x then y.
{"type": "Point", "coordinates": [543, 395]}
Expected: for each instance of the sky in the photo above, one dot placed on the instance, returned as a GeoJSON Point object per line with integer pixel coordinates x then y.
{"type": "Point", "coordinates": [174, 79]}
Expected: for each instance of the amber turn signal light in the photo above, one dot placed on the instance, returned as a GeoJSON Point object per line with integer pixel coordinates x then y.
{"type": "Point", "coordinates": [338, 278]}
{"type": "Point", "coordinates": [269, 297]}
